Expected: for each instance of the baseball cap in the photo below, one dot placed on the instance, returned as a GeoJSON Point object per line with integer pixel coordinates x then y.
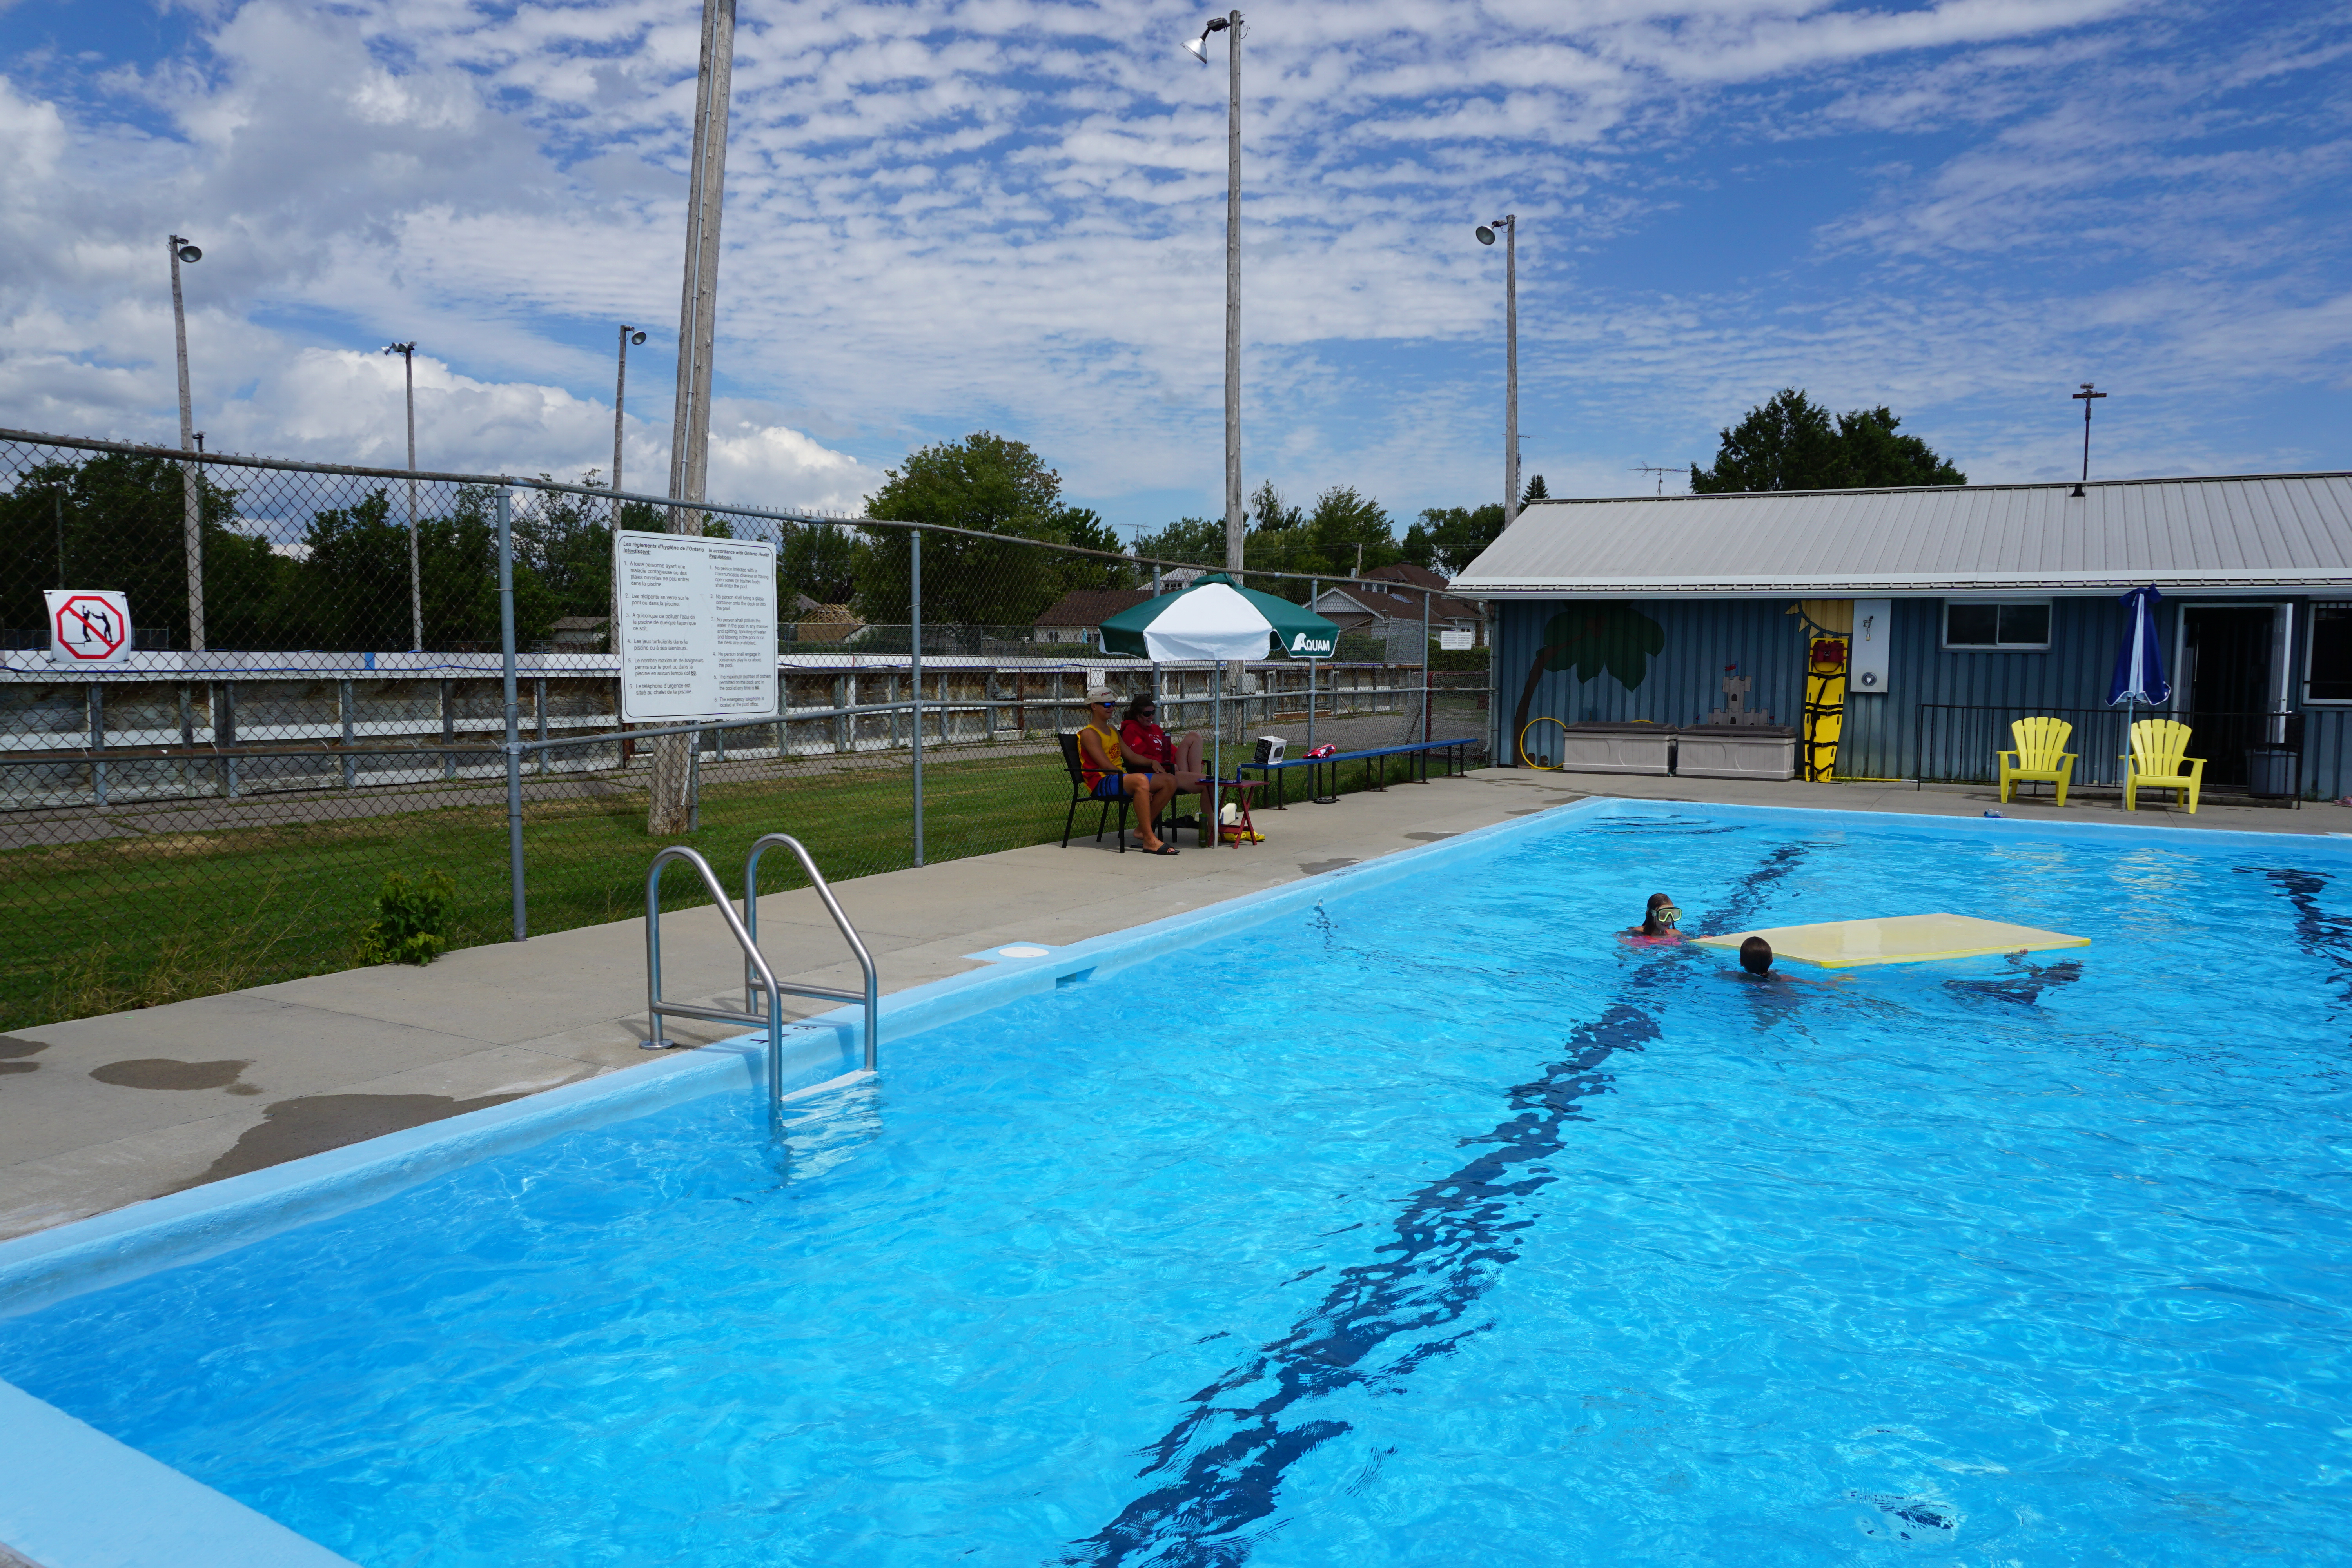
{"type": "Point", "coordinates": [1101, 694]}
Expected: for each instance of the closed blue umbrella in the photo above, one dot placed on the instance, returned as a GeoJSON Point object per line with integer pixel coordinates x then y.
{"type": "Point", "coordinates": [2140, 664]}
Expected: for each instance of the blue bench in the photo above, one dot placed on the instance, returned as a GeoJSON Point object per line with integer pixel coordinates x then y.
{"type": "Point", "coordinates": [1456, 752]}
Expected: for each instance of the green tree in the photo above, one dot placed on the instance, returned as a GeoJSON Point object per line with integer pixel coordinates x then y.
{"type": "Point", "coordinates": [566, 541]}
{"type": "Point", "coordinates": [1190, 540]}
{"type": "Point", "coordinates": [1790, 442]}
{"type": "Point", "coordinates": [994, 486]}
{"type": "Point", "coordinates": [816, 559]}
{"type": "Point", "coordinates": [355, 578]}
{"type": "Point", "coordinates": [118, 520]}
{"type": "Point", "coordinates": [1535, 491]}
{"type": "Point", "coordinates": [1448, 539]}
{"type": "Point", "coordinates": [1344, 531]}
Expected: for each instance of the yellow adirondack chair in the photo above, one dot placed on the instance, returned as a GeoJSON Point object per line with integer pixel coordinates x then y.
{"type": "Point", "coordinates": [2156, 763]}
{"type": "Point", "coordinates": [2041, 756]}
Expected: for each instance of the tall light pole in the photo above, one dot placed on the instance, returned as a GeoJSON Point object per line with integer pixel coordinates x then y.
{"type": "Point", "coordinates": [670, 808]}
{"type": "Point", "coordinates": [1509, 224]}
{"type": "Point", "coordinates": [191, 509]}
{"type": "Point", "coordinates": [2085, 397]}
{"type": "Point", "coordinates": [407, 352]}
{"type": "Point", "coordinates": [1231, 26]}
{"type": "Point", "coordinates": [621, 391]}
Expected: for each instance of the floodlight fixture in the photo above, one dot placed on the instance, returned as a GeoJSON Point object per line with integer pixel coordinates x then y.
{"type": "Point", "coordinates": [1199, 47]}
{"type": "Point", "coordinates": [1485, 235]}
{"type": "Point", "coordinates": [188, 253]}
{"type": "Point", "coordinates": [636, 337]}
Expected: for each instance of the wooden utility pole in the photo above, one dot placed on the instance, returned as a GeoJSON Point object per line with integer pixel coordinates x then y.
{"type": "Point", "coordinates": [671, 810]}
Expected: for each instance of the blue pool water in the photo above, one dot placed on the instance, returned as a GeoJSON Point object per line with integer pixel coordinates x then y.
{"type": "Point", "coordinates": [1433, 1226]}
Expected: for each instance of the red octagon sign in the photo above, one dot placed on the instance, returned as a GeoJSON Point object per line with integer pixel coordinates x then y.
{"type": "Point", "coordinates": [90, 627]}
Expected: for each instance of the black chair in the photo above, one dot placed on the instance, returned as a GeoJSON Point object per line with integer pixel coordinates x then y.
{"type": "Point", "coordinates": [1080, 794]}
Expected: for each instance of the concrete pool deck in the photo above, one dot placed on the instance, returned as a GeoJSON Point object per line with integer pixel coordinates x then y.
{"type": "Point", "coordinates": [99, 1113]}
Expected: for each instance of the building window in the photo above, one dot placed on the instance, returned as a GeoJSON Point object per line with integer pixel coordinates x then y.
{"type": "Point", "coordinates": [2013, 625]}
{"type": "Point", "coordinates": [2330, 674]}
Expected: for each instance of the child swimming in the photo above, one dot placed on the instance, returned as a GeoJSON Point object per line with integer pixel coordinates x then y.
{"type": "Point", "coordinates": [1659, 921]}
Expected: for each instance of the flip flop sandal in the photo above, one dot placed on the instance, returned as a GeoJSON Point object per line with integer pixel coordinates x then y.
{"type": "Point", "coordinates": [1163, 849]}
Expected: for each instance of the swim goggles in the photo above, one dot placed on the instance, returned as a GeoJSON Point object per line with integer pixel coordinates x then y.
{"type": "Point", "coordinates": [1667, 914]}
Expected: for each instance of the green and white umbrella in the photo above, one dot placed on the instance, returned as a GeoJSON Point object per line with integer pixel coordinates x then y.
{"type": "Point", "coordinates": [1214, 619]}
{"type": "Point", "coordinates": [1217, 620]}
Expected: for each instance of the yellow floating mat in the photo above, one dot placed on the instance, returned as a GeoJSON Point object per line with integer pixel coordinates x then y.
{"type": "Point", "coordinates": [1898, 939]}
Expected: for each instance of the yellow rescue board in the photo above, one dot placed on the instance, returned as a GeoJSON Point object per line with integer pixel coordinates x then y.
{"type": "Point", "coordinates": [1898, 939]}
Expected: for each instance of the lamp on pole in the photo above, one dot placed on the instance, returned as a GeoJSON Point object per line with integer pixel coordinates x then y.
{"type": "Point", "coordinates": [407, 352]}
{"type": "Point", "coordinates": [620, 391]}
{"type": "Point", "coordinates": [1231, 26]}
{"type": "Point", "coordinates": [2085, 397]}
{"type": "Point", "coordinates": [1509, 224]}
{"type": "Point", "coordinates": [191, 519]}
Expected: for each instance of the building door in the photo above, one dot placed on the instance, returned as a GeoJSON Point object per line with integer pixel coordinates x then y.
{"type": "Point", "coordinates": [2226, 678]}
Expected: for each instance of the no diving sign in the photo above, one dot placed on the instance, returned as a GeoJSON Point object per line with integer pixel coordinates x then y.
{"type": "Point", "coordinates": [88, 626]}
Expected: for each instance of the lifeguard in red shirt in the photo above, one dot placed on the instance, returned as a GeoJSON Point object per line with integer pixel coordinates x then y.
{"type": "Point", "coordinates": [1143, 740]}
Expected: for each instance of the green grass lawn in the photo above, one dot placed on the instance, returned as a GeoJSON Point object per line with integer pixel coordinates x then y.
{"type": "Point", "coordinates": [115, 923]}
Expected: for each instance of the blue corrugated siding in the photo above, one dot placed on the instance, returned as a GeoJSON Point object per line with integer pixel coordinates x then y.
{"type": "Point", "coordinates": [1884, 734]}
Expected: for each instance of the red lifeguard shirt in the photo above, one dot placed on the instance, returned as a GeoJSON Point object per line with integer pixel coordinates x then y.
{"type": "Point", "coordinates": [1147, 740]}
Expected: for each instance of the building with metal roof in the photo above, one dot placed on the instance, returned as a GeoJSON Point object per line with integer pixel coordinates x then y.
{"type": "Point", "coordinates": [1951, 609]}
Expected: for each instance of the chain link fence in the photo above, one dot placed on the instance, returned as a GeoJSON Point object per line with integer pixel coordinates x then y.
{"type": "Point", "coordinates": [314, 697]}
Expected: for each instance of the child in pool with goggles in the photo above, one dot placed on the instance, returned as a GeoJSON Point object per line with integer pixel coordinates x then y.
{"type": "Point", "coordinates": [1660, 922]}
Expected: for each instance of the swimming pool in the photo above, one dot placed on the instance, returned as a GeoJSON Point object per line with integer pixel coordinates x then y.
{"type": "Point", "coordinates": [1423, 1224]}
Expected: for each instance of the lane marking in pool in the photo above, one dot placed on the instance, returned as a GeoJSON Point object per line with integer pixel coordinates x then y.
{"type": "Point", "coordinates": [1455, 1237]}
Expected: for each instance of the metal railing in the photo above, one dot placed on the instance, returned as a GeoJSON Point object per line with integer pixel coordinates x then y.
{"type": "Point", "coordinates": [870, 996]}
{"type": "Point", "coordinates": [656, 1009]}
{"type": "Point", "coordinates": [758, 976]}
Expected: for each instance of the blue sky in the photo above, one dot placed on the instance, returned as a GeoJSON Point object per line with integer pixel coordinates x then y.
{"type": "Point", "coordinates": [945, 217]}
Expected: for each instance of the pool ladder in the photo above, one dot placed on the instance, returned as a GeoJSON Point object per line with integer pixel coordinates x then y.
{"type": "Point", "coordinates": [760, 981]}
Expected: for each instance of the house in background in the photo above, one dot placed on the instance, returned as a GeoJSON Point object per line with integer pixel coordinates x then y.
{"type": "Point", "coordinates": [579, 633]}
{"type": "Point", "coordinates": [824, 623]}
{"type": "Point", "coordinates": [1386, 601]}
{"type": "Point", "coordinates": [1911, 626]}
{"type": "Point", "coordinates": [1077, 615]}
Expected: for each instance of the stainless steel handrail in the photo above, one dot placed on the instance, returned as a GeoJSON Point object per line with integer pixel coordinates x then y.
{"type": "Point", "coordinates": [870, 996]}
{"type": "Point", "coordinates": [656, 1009]}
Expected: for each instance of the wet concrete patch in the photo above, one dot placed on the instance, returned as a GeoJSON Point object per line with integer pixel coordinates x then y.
{"type": "Point", "coordinates": [1317, 867]}
{"type": "Point", "coordinates": [12, 1047]}
{"type": "Point", "coordinates": [315, 1124]}
{"type": "Point", "coordinates": [1432, 837]}
{"type": "Point", "coordinates": [162, 1072]}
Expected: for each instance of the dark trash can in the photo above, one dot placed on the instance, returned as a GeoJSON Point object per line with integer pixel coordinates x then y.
{"type": "Point", "coordinates": [2274, 772]}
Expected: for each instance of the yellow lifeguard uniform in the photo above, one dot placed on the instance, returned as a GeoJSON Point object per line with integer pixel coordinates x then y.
{"type": "Point", "coordinates": [1108, 739]}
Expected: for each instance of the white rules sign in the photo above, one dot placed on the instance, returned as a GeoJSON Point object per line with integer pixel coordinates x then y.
{"type": "Point", "coordinates": [698, 635]}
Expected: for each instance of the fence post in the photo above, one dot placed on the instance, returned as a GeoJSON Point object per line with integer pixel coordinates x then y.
{"type": "Point", "coordinates": [915, 600]}
{"type": "Point", "coordinates": [1492, 611]}
{"type": "Point", "coordinates": [1314, 591]}
{"type": "Point", "coordinates": [514, 737]}
{"type": "Point", "coordinates": [98, 741]}
{"type": "Point", "coordinates": [1425, 732]}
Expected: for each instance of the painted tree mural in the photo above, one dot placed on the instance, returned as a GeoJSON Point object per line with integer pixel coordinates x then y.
{"type": "Point", "coordinates": [1597, 639]}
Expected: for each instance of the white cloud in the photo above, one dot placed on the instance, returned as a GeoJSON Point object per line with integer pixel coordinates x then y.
{"type": "Point", "coordinates": [958, 213]}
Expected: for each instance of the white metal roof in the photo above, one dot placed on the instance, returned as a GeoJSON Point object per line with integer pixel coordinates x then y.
{"type": "Point", "coordinates": [2260, 533]}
